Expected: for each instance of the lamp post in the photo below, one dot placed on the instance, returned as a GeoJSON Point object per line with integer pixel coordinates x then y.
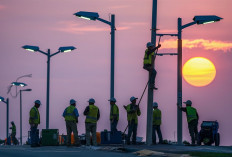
{"type": "Point", "coordinates": [23, 90]}
{"type": "Point", "coordinates": [7, 114]}
{"type": "Point", "coordinates": [196, 20]}
{"type": "Point", "coordinates": [49, 55]}
{"type": "Point", "coordinates": [94, 16]}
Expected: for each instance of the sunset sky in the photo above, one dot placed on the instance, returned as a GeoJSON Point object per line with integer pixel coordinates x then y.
{"type": "Point", "coordinates": [85, 72]}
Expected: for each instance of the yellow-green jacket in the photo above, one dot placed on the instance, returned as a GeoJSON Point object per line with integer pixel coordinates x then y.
{"type": "Point", "coordinates": [91, 117]}
{"type": "Point", "coordinates": [34, 116]}
{"type": "Point", "coordinates": [156, 117]}
{"type": "Point", "coordinates": [132, 113]}
{"type": "Point", "coordinates": [191, 113]}
{"type": "Point", "coordinates": [114, 112]}
{"type": "Point", "coordinates": [148, 58]}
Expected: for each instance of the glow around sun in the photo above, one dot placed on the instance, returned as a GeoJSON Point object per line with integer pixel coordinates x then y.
{"type": "Point", "coordinates": [199, 71]}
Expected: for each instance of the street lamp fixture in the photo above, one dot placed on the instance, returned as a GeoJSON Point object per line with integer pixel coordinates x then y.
{"type": "Point", "coordinates": [49, 55]}
{"type": "Point", "coordinates": [206, 19]}
{"type": "Point", "coordinates": [94, 16]}
{"type": "Point", "coordinates": [19, 84]}
{"type": "Point", "coordinates": [7, 114]}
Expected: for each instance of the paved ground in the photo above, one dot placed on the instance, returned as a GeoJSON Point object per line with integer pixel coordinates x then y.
{"type": "Point", "coordinates": [61, 151]}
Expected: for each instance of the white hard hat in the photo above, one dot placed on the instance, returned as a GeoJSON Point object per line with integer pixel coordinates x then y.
{"type": "Point", "coordinates": [155, 104]}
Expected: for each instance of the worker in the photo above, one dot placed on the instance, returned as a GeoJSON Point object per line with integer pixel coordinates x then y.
{"type": "Point", "coordinates": [114, 115]}
{"type": "Point", "coordinates": [133, 111]}
{"type": "Point", "coordinates": [192, 119]}
{"type": "Point", "coordinates": [156, 124]}
{"type": "Point", "coordinates": [71, 118]}
{"type": "Point", "coordinates": [92, 114]}
{"type": "Point", "coordinates": [34, 121]}
{"type": "Point", "coordinates": [148, 63]}
{"type": "Point", "coordinates": [13, 133]}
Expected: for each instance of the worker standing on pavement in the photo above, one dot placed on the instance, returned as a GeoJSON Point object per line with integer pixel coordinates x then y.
{"type": "Point", "coordinates": [148, 61]}
{"type": "Point", "coordinates": [34, 121]}
{"type": "Point", "coordinates": [92, 114]}
{"type": "Point", "coordinates": [192, 119]}
{"type": "Point", "coordinates": [114, 115]}
{"type": "Point", "coordinates": [156, 124]}
{"type": "Point", "coordinates": [133, 111]}
{"type": "Point", "coordinates": [13, 133]}
{"type": "Point", "coordinates": [71, 118]}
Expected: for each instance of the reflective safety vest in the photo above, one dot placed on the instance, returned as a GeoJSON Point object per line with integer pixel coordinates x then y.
{"type": "Point", "coordinates": [114, 112]}
{"type": "Point", "coordinates": [13, 129]}
{"type": "Point", "coordinates": [191, 113]}
{"type": "Point", "coordinates": [156, 117]}
{"type": "Point", "coordinates": [148, 58]}
{"type": "Point", "coordinates": [70, 115]}
{"type": "Point", "coordinates": [34, 116]}
{"type": "Point", "coordinates": [92, 115]}
{"type": "Point", "coordinates": [132, 115]}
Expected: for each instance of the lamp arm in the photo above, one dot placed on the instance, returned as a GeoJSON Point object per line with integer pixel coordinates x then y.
{"type": "Point", "coordinates": [188, 24]}
{"type": "Point", "coordinates": [55, 53]}
{"type": "Point", "coordinates": [42, 52]}
{"type": "Point", "coordinates": [104, 21]}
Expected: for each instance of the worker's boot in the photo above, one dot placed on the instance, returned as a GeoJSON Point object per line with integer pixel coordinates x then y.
{"type": "Point", "coordinates": [152, 86]}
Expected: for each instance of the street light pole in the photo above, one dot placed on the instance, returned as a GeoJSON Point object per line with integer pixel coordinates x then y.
{"type": "Point", "coordinates": [112, 55]}
{"type": "Point", "coordinates": [7, 117]}
{"type": "Point", "coordinates": [21, 113]}
{"type": "Point", "coordinates": [48, 89]}
{"type": "Point", "coordinates": [150, 90]}
{"type": "Point", "coordinates": [20, 96]}
{"type": "Point", "coordinates": [179, 83]}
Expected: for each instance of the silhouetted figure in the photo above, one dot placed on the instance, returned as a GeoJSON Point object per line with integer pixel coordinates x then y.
{"type": "Point", "coordinates": [133, 111]}
{"type": "Point", "coordinates": [192, 119]}
{"type": "Point", "coordinates": [156, 124]}
{"type": "Point", "coordinates": [148, 63]}
{"type": "Point", "coordinates": [13, 133]}
{"type": "Point", "coordinates": [34, 121]}
{"type": "Point", "coordinates": [114, 115]}
{"type": "Point", "coordinates": [71, 119]}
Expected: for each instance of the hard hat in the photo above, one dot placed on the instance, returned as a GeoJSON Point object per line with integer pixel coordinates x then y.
{"type": "Point", "coordinates": [72, 101]}
{"type": "Point", "coordinates": [132, 98]}
{"type": "Point", "coordinates": [149, 44]}
{"type": "Point", "coordinates": [188, 102]}
{"type": "Point", "coordinates": [91, 100]}
{"type": "Point", "coordinates": [37, 102]}
{"type": "Point", "coordinates": [112, 99]}
{"type": "Point", "coordinates": [12, 122]}
{"type": "Point", "coordinates": [155, 104]}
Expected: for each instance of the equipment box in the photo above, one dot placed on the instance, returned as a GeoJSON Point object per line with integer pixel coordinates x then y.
{"type": "Point", "coordinates": [50, 137]}
{"type": "Point", "coordinates": [108, 137]}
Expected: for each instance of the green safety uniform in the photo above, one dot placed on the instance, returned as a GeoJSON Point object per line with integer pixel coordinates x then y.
{"type": "Point", "coordinates": [34, 116]}
{"type": "Point", "coordinates": [191, 113]}
{"type": "Point", "coordinates": [70, 116]}
{"type": "Point", "coordinates": [156, 117]}
{"type": "Point", "coordinates": [13, 129]}
{"type": "Point", "coordinates": [114, 112]}
{"type": "Point", "coordinates": [132, 115]}
{"type": "Point", "coordinates": [92, 115]}
{"type": "Point", "coordinates": [147, 60]}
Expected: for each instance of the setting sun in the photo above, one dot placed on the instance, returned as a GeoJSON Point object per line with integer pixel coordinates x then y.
{"type": "Point", "coordinates": [199, 71]}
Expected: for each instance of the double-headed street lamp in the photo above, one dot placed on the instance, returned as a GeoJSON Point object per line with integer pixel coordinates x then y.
{"type": "Point", "coordinates": [94, 16]}
{"type": "Point", "coordinates": [61, 50]}
{"type": "Point", "coordinates": [20, 91]}
{"type": "Point", "coordinates": [23, 90]}
{"type": "Point", "coordinates": [7, 114]}
{"type": "Point", "coordinates": [196, 20]}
